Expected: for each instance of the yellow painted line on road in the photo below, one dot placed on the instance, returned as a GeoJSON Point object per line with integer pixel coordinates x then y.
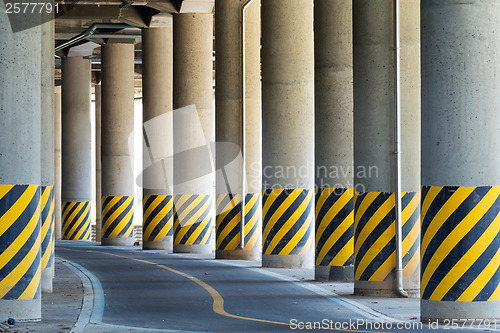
{"type": "Point", "coordinates": [218, 304]}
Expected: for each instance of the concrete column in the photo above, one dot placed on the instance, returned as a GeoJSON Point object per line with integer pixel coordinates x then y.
{"type": "Point", "coordinates": [20, 171]}
{"type": "Point", "coordinates": [460, 174]}
{"type": "Point", "coordinates": [194, 178]}
{"type": "Point", "coordinates": [47, 155]}
{"type": "Point", "coordinates": [157, 78]}
{"type": "Point", "coordinates": [57, 162]}
{"type": "Point", "coordinates": [288, 133]}
{"type": "Point", "coordinates": [334, 140]}
{"type": "Point", "coordinates": [98, 185]}
{"type": "Point", "coordinates": [228, 99]}
{"type": "Point", "coordinates": [117, 103]}
{"type": "Point", "coordinates": [374, 211]}
{"type": "Point", "coordinates": [76, 149]}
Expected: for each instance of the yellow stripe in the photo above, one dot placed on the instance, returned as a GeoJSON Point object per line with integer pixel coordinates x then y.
{"type": "Point", "coordinates": [444, 213]}
{"type": "Point", "coordinates": [67, 207]}
{"type": "Point", "coordinates": [117, 213]}
{"type": "Point", "coordinates": [86, 223]}
{"type": "Point", "coordinates": [82, 217]}
{"type": "Point", "coordinates": [429, 198]}
{"type": "Point", "coordinates": [289, 200]}
{"type": "Point", "coordinates": [183, 229]}
{"type": "Point", "coordinates": [290, 222]}
{"type": "Point", "coordinates": [4, 189]}
{"type": "Point", "coordinates": [303, 229]}
{"type": "Point", "coordinates": [48, 253]}
{"type": "Point", "coordinates": [20, 270]}
{"type": "Point", "coordinates": [130, 229]}
{"type": "Point", "coordinates": [496, 294]}
{"type": "Point", "coordinates": [124, 222]}
{"type": "Point", "coordinates": [374, 221]}
{"type": "Point", "coordinates": [190, 208]}
{"type": "Point", "coordinates": [17, 208]}
{"type": "Point", "coordinates": [159, 217]}
{"type": "Point", "coordinates": [457, 233]}
{"type": "Point", "coordinates": [363, 206]}
{"type": "Point", "coordinates": [164, 231]}
{"type": "Point", "coordinates": [194, 236]}
{"type": "Point", "coordinates": [332, 212]}
{"type": "Point", "coordinates": [205, 239]}
{"type": "Point", "coordinates": [344, 254]}
{"type": "Point", "coordinates": [325, 193]}
{"type": "Point", "coordinates": [334, 237]}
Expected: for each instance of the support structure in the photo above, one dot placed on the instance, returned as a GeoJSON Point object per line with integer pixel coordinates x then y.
{"type": "Point", "coordinates": [374, 151]}
{"type": "Point", "coordinates": [333, 143]}
{"type": "Point", "coordinates": [58, 163]}
{"type": "Point", "coordinates": [157, 79]}
{"type": "Point", "coordinates": [230, 129]}
{"type": "Point", "coordinates": [47, 155]}
{"type": "Point", "coordinates": [98, 167]}
{"type": "Point", "coordinates": [117, 112]}
{"type": "Point", "coordinates": [288, 133]}
{"type": "Point", "coordinates": [194, 177]}
{"type": "Point", "coordinates": [76, 150]}
{"type": "Point", "coordinates": [20, 172]}
{"type": "Point", "coordinates": [460, 175]}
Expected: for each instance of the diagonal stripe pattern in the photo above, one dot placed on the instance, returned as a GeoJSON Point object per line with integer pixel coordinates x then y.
{"type": "Point", "coordinates": [288, 217]}
{"type": "Point", "coordinates": [48, 235]}
{"type": "Point", "coordinates": [117, 216]}
{"type": "Point", "coordinates": [460, 243]}
{"type": "Point", "coordinates": [76, 220]}
{"type": "Point", "coordinates": [335, 227]}
{"type": "Point", "coordinates": [229, 219]}
{"type": "Point", "coordinates": [192, 219]}
{"type": "Point", "coordinates": [20, 242]}
{"type": "Point", "coordinates": [374, 235]}
{"type": "Point", "coordinates": [158, 213]}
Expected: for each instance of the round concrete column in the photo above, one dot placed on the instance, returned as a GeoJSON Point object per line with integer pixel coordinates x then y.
{"type": "Point", "coordinates": [374, 158]}
{"type": "Point", "coordinates": [20, 133]}
{"type": "Point", "coordinates": [157, 78]}
{"type": "Point", "coordinates": [460, 175]}
{"type": "Point", "coordinates": [76, 149]}
{"type": "Point", "coordinates": [194, 178]}
{"type": "Point", "coordinates": [117, 112]}
{"type": "Point", "coordinates": [288, 133]}
{"type": "Point", "coordinates": [333, 144]}
{"type": "Point", "coordinates": [228, 103]}
{"type": "Point", "coordinates": [98, 176]}
{"type": "Point", "coordinates": [47, 155]}
{"type": "Point", "coordinates": [57, 162]}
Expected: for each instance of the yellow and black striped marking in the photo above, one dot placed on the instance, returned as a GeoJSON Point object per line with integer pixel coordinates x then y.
{"type": "Point", "coordinates": [229, 218]}
{"type": "Point", "coordinates": [20, 242]}
{"type": "Point", "coordinates": [117, 216]}
{"type": "Point", "coordinates": [76, 220]}
{"type": "Point", "coordinates": [460, 243]}
{"type": "Point", "coordinates": [48, 236]}
{"type": "Point", "coordinates": [158, 217]}
{"type": "Point", "coordinates": [375, 233]}
{"type": "Point", "coordinates": [288, 217]}
{"type": "Point", "coordinates": [192, 219]}
{"type": "Point", "coordinates": [335, 227]}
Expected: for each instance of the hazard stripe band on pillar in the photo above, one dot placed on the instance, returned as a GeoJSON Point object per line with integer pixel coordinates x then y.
{"type": "Point", "coordinates": [117, 216]}
{"type": "Point", "coordinates": [192, 219]}
{"type": "Point", "coordinates": [288, 217]}
{"type": "Point", "coordinates": [47, 211]}
{"type": "Point", "coordinates": [228, 223]}
{"type": "Point", "coordinates": [76, 220]}
{"type": "Point", "coordinates": [374, 235]}
{"type": "Point", "coordinates": [20, 242]}
{"type": "Point", "coordinates": [158, 217]}
{"type": "Point", "coordinates": [335, 227]}
{"type": "Point", "coordinates": [460, 243]}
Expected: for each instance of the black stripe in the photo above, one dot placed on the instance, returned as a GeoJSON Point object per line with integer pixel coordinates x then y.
{"type": "Point", "coordinates": [70, 223]}
{"type": "Point", "coordinates": [115, 207]}
{"type": "Point", "coordinates": [455, 218]}
{"type": "Point", "coordinates": [122, 232]}
{"type": "Point", "coordinates": [81, 225]}
{"type": "Point", "coordinates": [223, 203]}
{"type": "Point", "coordinates": [180, 208]}
{"type": "Point", "coordinates": [236, 230]}
{"type": "Point", "coordinates": [208, 229]}
{"type": "Point", "coordinates": [329, 202]}
{"type": "Point", "coordinates": [337, 247]}
{"type": "Point", "coordinates": [253, 212]}
{"type": "Point", "coordinates": [435, 205]}
{"type": "Point", "coordinates": [117, 221]}
{"type": "Point", "coordinates": [106, 202]}
{"type": "Point", "coordinates": [154, 214]}
{"type": "Point", "coordinates": [293, 231]}
{"type": "Point", "coordinates": [335, 223]}
{"type": "Point", "coordinates": [490, 287]}
{"type": "Point", "coordinates": [195, 226]}
{"type": "Point", "coordinates": [379, 259]}
{"type": "Point", "coordinates": [276, 203]}
{"type": "Point", "coordinates": [225, 221]}
{"type": "Point", "coordinates": [11, 197]}
{"type": "Point", "coordinates": [370, 210]}
{"type": "Point", "coordinates": [463, 245]}
{"type": "Point", "coordinates": [472, 273]}
{"type": "Point", "coordinates": [283, 219]}
{"type": "Point", "coordinates": [195, 209]}
{"type": "Point", "coordinates": [406, 199]}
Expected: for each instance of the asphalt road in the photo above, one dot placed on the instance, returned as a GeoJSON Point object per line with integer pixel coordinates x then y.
{"type": "Point", "coordinates": [151, 290]}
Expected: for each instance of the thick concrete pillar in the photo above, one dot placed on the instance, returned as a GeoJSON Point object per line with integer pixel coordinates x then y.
{"type": "Point", "coordinates": [20, 171]}
{"type": "Point", "coordinates": [193, 172]}
{"type": "Point", "coordinates": [76, 150]}
{"type": "Point", "coordinates": [288, 133]}
{"type": "Point", "coordinates": [228, 99]}
{"type": "Point", "coordinates": [374, 151]}
{"type": "Point", "coordinates": [157, 78]}
{"type": "Point", "coordinates": [57, 162]}
{"type": "Point", "coordinates": [98, 177]}
{"type": "Point", "coordinates": [47, 155]}
{"type": "Point", "coordinates": [333, 144]}
{"type": "Point", "coordinates": [117, 104]}
{"type": "Point", "coordinates": [460, 174]}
